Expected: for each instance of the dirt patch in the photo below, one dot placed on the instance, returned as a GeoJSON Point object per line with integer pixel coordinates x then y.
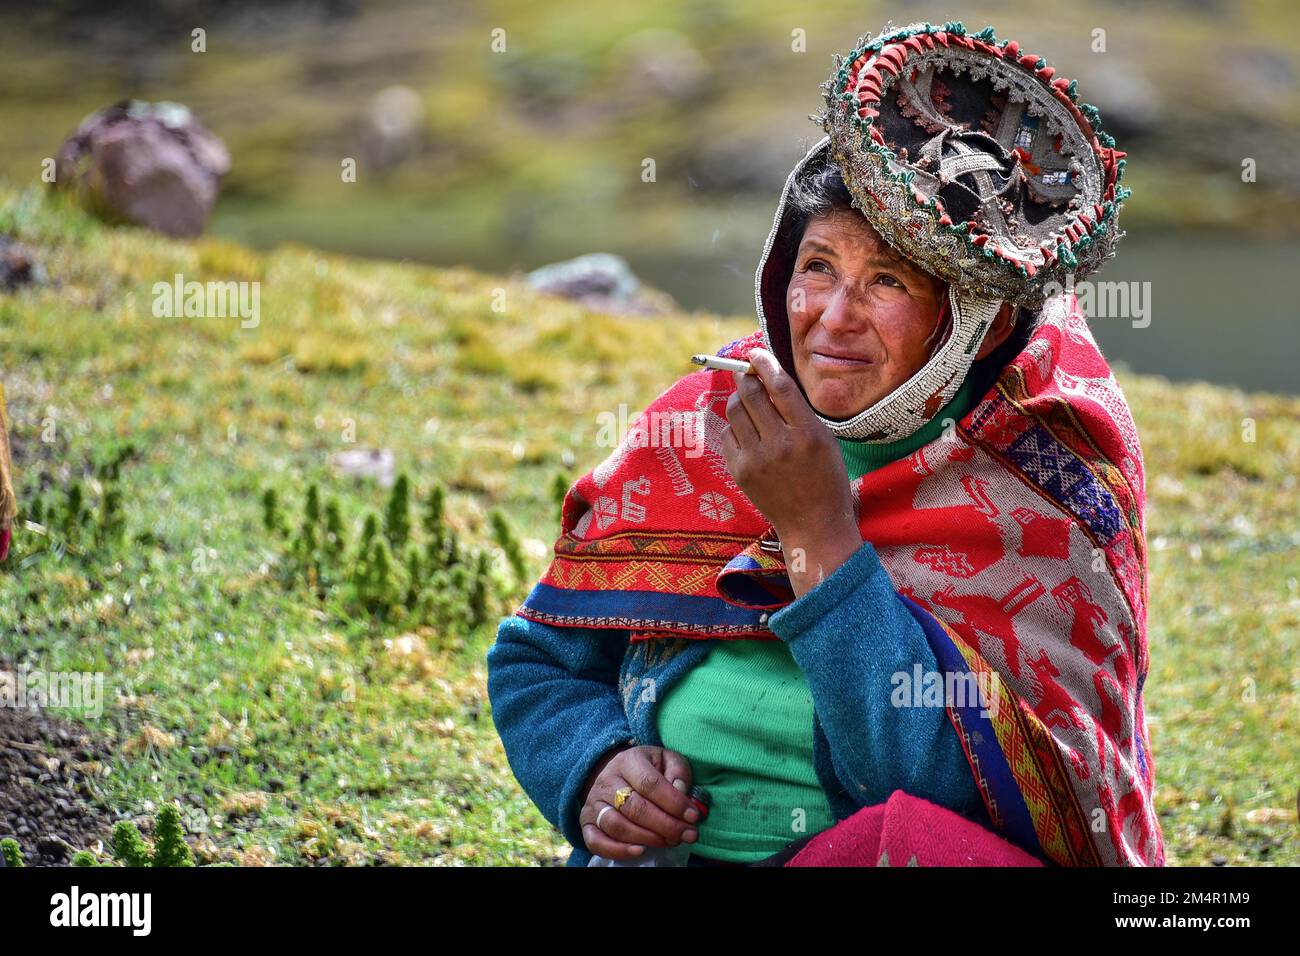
{"type": "Point", "coordinates": [46, 798]}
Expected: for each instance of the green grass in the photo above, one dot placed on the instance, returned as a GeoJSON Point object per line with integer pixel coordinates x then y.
{"type": "Point", "coordinates": [311, 738]}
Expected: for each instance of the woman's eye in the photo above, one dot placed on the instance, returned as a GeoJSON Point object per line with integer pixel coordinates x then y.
{"type": "Point", "coordinates": [813, 263]}
{"type": "Point", "coordinates": [893, 280]}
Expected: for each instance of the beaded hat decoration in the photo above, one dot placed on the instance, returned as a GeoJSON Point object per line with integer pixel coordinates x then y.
{"type": "Point", "coordinates": [974, 161]}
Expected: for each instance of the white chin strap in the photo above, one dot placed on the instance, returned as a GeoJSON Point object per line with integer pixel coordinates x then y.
{"type": "Point", "coordinates": [904, 410]}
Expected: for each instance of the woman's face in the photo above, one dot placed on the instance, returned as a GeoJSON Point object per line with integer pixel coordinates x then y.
{"type": "Point", "coordinates": [859, 314]}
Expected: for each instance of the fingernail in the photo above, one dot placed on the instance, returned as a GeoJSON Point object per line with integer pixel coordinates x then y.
{"type": "Point", "coordinates": [638, 850]}
{"type": "Point", "coordinates": [680, 784]}
{"type": "Point", "coordinates": [690, 836]}
{"type": "Point", "coordinates": [692, 814]}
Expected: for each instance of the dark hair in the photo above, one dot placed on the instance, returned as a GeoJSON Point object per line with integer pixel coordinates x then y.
{"type": "Point", "coordinates": [815, 192]}
{"type": "Point", "coordinates": [820, 191]}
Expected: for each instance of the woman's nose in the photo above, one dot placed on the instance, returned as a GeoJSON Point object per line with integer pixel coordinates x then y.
{"type": "Point", "coordinates": [841, 313]}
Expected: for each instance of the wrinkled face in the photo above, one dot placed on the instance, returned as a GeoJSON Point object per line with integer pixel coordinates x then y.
{"type": "Point", "coordinates": [860, 315]}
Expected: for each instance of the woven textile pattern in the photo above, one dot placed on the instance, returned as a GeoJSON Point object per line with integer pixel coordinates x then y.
{"type": "Point", "coordinates": [1016, 538]}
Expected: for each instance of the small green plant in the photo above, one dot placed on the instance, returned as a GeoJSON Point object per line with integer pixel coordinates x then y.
{"type": "Point", "coordinates": [11, 852]}
{"type": "Point", "coordinates": [442, 546]}
{"type": "Point", "coordinates": [434, 511]}
{"type": "Point", "coordinates": [336, 536]}
{"type": "Point", "coordinates": [376, 583]}
{"type": "Point", "coordinates": [505, 537]}
{"type": "Point", "coordinates": [111, 529]}
{"type": "Point", "coordinates": [413, 578]}
{"type": "Point", "coordinates": [169, 849]}
{"type": "Point", "coordinates": [397, 520]}
{"type": "Point", "coordinates": [72, 520]}
{"type": "Point", "coordinates": [272, 520]}
{"type": "Point", "coordinates": [311, 510]}
{"type": "Point", "coordinates": [369, 532]}
{"type": "Point", "coordinates": [128, 846]}
{"type": "Point", "coordinates": [76, 516]}
{"type": "Point", "coordinates": [304, 549]}
{"type": "Point", "coordinates": [399, 571]}
{"type": "Point", "coordinates": [478, 593]}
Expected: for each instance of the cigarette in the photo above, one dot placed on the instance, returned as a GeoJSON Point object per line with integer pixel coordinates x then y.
{"type": "Point", "coordinates": [725, 364]}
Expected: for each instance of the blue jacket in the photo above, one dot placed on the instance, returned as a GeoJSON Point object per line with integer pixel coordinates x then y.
{"type": "Point", "coordinates": [562, 697]}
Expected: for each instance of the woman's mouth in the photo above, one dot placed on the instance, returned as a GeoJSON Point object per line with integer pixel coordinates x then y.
{"type": "Point", "coordinates": [839, 359]}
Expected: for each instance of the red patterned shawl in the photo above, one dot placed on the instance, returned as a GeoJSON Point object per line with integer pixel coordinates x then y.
{"type": "Point", "coordinates": [1016, 540]}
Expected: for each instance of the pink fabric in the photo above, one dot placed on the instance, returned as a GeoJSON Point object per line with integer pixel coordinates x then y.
{"type": "Point", "coordinates": [908, 831]}
{"type": "Point", "coordinates": [5, 535]}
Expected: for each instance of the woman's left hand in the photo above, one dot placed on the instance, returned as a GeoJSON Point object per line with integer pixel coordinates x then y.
{"type": "Point", "coordinates": [788, 464]}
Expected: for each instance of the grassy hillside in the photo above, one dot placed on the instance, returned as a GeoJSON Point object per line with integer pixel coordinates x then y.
{"type": "Point", "coordinates": [302, 734]}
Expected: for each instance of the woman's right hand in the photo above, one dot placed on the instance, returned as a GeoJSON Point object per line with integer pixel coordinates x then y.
{"type": "Point", "coordinates": [656, 814]}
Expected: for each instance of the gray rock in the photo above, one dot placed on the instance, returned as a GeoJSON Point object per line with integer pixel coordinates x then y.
{"type": "Point", "coordinates": [376, 464]}
{"type": "Point", "coordinates": [599, 281]}
{"type": "Point", "coordinates": [152, 164]}
{"type": "Point", "coordinates": [598, 273]}
{"type": "Point", "coordinates": [660, 62]}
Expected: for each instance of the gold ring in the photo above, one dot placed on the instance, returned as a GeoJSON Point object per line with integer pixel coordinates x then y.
{"type": "Point", "coordinates": [620, 797]}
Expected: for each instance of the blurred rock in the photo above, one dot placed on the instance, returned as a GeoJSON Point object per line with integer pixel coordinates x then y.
{"type": "Point", "coordinates": [661, 62]}
{"type": "Point", "coordinates": [18, 265]}
{"type": "Point", "coordinates": [361, 463]}
{"type": "Point", "coordinates": [152, 164]}
{"type": "Point", "coordinates": [393, 127]}
{"type": "Point", "coordinates": [602, 282]}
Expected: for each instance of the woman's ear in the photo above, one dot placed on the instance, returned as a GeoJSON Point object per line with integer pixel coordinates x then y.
{"type": "Point", "coordinates": [1003, 323]}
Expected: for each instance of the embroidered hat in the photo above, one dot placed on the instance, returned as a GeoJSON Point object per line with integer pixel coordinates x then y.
{"type": "Point", "coordinates": [978, 163]}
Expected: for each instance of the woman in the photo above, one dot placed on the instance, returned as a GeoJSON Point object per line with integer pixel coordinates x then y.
{"type": "Point", "coordinates": [915, 530]}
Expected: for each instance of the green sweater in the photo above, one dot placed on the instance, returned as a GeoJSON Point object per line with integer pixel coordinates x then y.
{"type": "Point", "coordinates": [744, 716]}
